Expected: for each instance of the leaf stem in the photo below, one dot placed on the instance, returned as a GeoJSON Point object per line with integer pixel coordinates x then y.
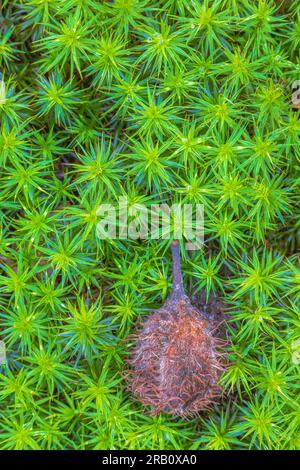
{"type": "Point", "coordinates": [177, 275]}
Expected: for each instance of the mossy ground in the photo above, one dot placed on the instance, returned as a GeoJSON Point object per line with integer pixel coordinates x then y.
{"type": "Point", "coordinates": [159, 101]}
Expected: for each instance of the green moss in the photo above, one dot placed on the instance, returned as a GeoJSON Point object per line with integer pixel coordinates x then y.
{"type": "Point", "coordinates": [159, 101]}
